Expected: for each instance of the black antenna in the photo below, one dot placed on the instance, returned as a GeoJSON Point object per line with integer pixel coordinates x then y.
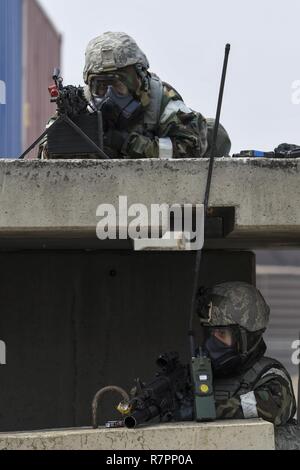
{"type": "Point", "coordinates": [206, 201]}
{"type": "Point", "coordinates": [216, 128]}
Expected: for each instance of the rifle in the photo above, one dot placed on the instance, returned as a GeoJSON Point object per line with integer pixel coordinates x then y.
{"type": "Point", "coordinates": [70, 100]}
{"type": "Point", "coordinates": [71, 108]}
{"type": "Point", "coordinates": [169, 396]}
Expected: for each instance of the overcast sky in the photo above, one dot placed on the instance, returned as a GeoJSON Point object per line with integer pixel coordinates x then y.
{"type": "Point", "coordinates": [184, 42]}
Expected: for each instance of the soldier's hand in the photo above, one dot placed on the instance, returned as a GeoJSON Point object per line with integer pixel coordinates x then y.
{"type": "Point", "coordinates": [116, 140]}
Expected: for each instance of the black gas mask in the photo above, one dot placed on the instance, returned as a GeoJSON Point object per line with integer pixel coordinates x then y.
{"type": "Point", "coordinates": [232, 349]}
{"type": "Point", "coordinates": [221, 345]}
{"type": "Point", "coordinates": [119, 107]}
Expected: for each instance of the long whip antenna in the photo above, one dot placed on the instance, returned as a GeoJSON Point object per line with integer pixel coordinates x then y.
{"type": "Point", "coordinates": [206, 201]}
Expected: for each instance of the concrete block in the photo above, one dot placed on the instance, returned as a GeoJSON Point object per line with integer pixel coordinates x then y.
{"type": "Point", "coordinates": [221, 435]}
{"type": "Point", "coordinates": [60, 198]}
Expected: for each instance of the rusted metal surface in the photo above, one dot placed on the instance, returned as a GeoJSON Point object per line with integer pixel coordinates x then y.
{"type": "Point", "coordinates": [98, 397]}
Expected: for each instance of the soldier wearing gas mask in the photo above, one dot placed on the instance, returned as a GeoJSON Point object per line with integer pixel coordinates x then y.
{"type": "Point", "coordinates": [247, 384]}
{"type": "Point", "coordinates": [143, 116]}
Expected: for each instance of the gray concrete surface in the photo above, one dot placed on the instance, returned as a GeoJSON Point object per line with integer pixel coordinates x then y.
{"type": "Point", "coordinates": [60, 198]}
{"type": "Point", "coordinates": [288, 437]}
{"type": "Point", "coordinates": [222, 435]}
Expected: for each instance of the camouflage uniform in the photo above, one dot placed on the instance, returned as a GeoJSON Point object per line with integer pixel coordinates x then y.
{"type": "Point", "coordinates": [261, 386]}
{"type": "Point", "coordinates": [186, 129]}
{"type": "Point", "coordinates": [174, 130]}
{"type": "Point", "coordinates": [273, 391]}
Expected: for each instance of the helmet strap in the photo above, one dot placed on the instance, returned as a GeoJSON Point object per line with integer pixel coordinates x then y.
{"type": "Point", "coordinates": [245, 353]}
{"type": "Point", "coordinates": [244, 342]}
{"type": "Point", "coordinates": [144, 77]}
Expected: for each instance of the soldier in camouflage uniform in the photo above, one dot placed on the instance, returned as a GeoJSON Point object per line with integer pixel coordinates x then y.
{"type": "Point", "coordinates": [144, 117]}
{"type": "Point", "coordinates": [247, 384]}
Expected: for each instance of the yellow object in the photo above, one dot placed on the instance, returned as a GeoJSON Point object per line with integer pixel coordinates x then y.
{"type": "Point", "coordinates": [124, 408]}
{"type": "Point", "coordinates": [204, 389]}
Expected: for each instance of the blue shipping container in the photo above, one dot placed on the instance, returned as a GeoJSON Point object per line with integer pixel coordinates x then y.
{"type": "Point", "coordinates": [10, 78]}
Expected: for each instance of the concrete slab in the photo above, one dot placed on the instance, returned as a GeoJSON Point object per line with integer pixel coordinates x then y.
{"type": "Point", "coordinates": [222, 435]}
{"type": "Point", "coordinates": [59, 199]}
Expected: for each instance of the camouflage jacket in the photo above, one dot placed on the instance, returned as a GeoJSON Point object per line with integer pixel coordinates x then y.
{"type": "Point", "coordinates": [182, 130]}
{"type": "Point", "coordinates": [179, 132]}
{"type": "Point", "coordinates": [269, 395]}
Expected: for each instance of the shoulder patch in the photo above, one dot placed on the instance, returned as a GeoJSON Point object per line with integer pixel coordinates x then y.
{"type": "Point", "coordinates": [275, 371]}
{"type": "Point", "coordinates": [173, 108]}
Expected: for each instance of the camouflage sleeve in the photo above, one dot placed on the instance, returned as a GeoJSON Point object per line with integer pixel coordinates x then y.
{"type": "Point", "coordinates": [275, 401]}
{"type": "Point", "coordinates": [186, 129]}
{"type": "Point", "coordinates": [275, 397]}
{"type": "Point", "coordinates": [229, 409]}
{"type": "Point", "coordinates": [182, 133]}
{"type": "Point", "coordinates": [140, 146]}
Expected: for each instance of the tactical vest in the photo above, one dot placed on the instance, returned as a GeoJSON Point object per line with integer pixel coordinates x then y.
{"type": "Point", "coordinates": [153, 110]}
{"type": "Point", "coordinates": [226, 388]}
{"type": "Point", "coordinates": [153, 114]}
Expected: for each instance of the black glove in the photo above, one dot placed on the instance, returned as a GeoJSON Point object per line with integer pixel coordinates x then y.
{"type": "Point", "coordinates": [287, 151]}
{"type": "Point", "coordinates": [116, 140]}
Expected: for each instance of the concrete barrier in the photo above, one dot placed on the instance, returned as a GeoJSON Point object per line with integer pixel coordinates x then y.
{"type": "Point", "coordinates": [222, 435]}
{"type": "Point", "coordinates": [60, 198]}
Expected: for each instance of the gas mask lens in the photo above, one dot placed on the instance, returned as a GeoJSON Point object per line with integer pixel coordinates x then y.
{"type": "Point", "coordinates": [225, 335]}
{"type": "Point", "coordinates": [112, 97]}
{"type": "Point", "coordinates": [99, 87]}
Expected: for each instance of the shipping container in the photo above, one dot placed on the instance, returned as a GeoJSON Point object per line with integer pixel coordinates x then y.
{"type": "Point", "coordinates": [30, 50]}
{"type": "Point", "coordinates": [41, 54]}
{"type": "Point", "coordinates": [10, 77]}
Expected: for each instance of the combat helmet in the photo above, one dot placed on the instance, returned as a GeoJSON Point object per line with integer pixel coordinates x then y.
{"type": "Point", "coordinates": [111, 52]}
{"type": "Point", "coordinates": [240, 308]}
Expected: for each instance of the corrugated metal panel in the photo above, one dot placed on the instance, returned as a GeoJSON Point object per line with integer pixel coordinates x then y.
{"type": "Point", "coordinates": [282, 292]}
{"type": "Point", "coordinates": [278, 257]}
{"type": "Point", "coordinates": [42, 45]}
{"type": "Point", "coordinates": [10, 77]}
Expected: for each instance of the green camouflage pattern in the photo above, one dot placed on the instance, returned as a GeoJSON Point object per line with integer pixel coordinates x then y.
{"type": "Point", "coordinates": [275, 400]}
{"type": "Point", "coordinates": [223, 144]}
{"type": "Point", "coordinates": [187, 131]}
{"type": "Point", "coordinates": [111, 52]}
{"type": "Point", "coordinates": [238, 303]}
